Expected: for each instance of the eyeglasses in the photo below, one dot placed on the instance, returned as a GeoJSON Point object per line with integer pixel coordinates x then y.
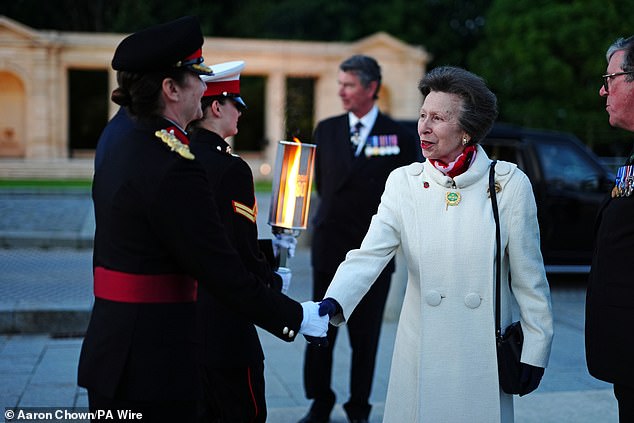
{"type": "Point", "coordinates": [607, 77]}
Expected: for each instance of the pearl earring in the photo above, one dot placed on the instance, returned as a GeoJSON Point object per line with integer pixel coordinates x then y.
{"type": "Point", "coordinates": [465, 141]}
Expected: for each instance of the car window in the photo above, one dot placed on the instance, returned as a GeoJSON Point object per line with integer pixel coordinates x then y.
{"type": "Point", "coordinates": [500, 150]}
{"type": "Point", "coordinates": [565, 166]}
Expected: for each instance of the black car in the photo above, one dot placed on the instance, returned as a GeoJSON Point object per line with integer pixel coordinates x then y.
{"type": "Point", "coordinates": [569, 183]}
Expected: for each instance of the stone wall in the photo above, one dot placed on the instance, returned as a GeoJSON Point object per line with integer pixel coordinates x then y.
{"type": "Point", "coordinates": [34, 103]}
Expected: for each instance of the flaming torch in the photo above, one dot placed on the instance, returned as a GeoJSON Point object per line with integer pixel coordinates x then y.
{"type": "Point", "coordinates": [292, 183]}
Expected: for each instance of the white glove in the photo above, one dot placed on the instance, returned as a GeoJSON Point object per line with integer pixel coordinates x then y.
{"type": "Point", "coordinates": [286, 275]}
{"type": "Point", "coordinates": [313, 324]}
{"type": "Point", "coordinates": [284, 241]}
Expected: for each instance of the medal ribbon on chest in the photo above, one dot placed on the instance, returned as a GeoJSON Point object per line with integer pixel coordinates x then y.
{"type": "Point", "coordinates": [381, 145]}
{"type": "Point", "coordinates": [624, 183]}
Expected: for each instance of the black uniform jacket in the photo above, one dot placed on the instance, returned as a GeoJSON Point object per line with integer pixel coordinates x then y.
{"type": "Point", "coordinates": [155, 214]}
{"type": "Point", "coordinates": [610, 296]}
{"type": "Point", "coordinates": [349, 187]}
{"type": "Point", "coordinates": [232, 183]}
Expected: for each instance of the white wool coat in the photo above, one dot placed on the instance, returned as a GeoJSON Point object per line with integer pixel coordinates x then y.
{"type": "Point", "coordinates": [444, 365]}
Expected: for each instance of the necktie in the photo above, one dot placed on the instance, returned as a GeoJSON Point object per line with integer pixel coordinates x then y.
{"type": "Point", "coordinates": [355, 137]}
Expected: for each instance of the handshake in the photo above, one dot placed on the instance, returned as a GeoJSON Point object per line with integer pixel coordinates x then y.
{"type": "Point", "coordinates": [315, 322]}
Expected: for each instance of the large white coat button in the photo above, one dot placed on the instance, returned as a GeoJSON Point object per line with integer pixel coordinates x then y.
{"type": "Point", "coordinates": [472, 300]}
{"type": "Point", "coordinates": [433, 298]}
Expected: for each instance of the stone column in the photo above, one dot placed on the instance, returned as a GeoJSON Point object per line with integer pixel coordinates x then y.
{"type": "Point", "coordinates": [275, 114]}
{"type": "Point", "coordinates": [112, 84]}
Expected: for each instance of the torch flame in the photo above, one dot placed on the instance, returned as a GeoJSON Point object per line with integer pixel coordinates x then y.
{"type": "Point", "coordinates": [286, 203]}
{"type": "Point", "coordinates": [291, 188]}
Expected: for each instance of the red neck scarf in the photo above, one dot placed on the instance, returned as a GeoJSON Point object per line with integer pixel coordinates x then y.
{"type": "Point", "coordinates": [458, 166]}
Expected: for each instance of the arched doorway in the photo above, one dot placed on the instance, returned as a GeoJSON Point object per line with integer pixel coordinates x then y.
{"type": "Point", "coordinates": [88, 112]}
{"type": "Point", "coordinates": [12, 115]}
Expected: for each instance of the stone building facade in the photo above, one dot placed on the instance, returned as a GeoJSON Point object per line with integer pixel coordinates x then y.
{"type": "Point", "coordinates": [34, 91]}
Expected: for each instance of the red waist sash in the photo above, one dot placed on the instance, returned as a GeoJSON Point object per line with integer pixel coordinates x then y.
{"type": "Point", "coordinates": [135, 288]}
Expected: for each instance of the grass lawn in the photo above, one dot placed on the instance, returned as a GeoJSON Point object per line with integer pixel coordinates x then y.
{"type": "Point", "coordinates": [45, 183]}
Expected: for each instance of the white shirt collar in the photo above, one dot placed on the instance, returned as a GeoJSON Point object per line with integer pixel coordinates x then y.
{"type": "Point", "coordinates": [367, 120]}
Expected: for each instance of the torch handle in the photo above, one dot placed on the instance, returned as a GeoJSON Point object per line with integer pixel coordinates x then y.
{"type": "Point", "coordinates": [283, 255]}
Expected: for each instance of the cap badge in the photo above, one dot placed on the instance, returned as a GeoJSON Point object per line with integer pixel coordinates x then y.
{"type": "Point", "coordinates": [174, 144]}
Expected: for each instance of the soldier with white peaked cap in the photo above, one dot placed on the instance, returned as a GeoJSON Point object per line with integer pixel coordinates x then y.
{"type": "Point", "coordinates": [225, 82]}
{"type": "Point", "coordinates": [233, 371]}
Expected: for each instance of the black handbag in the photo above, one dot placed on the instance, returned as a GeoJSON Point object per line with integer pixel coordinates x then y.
{"type": "Point", "coordinates": [508, 343]}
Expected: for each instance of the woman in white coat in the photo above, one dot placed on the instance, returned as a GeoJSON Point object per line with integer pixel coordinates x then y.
{"type": "Point", "coordinates": [444, 367]}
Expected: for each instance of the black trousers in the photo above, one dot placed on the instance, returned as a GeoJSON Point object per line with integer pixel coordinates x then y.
{"type": "Point", "coordinates": [152, 412]}
{"type": "Point", "coordinates": [625, 397]}
{"type": "Point", "coordinates": [233, 395]}
{"type": "Point", "coordinates": [364, 329]}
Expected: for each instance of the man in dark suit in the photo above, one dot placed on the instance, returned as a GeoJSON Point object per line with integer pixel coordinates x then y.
{"type": "Point", "coordinates": [355, 154]}
{"type": "Point", "coordinates": [158, 235]}
{"type": "Point", "coordinates": [610, 295]}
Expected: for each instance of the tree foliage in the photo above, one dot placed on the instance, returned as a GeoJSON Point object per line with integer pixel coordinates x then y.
{"type": "Point", "coordinates": [544, 59]}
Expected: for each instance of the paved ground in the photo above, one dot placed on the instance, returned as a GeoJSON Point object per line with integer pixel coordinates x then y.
{"type": "Point", "coordinates": [45, 298]}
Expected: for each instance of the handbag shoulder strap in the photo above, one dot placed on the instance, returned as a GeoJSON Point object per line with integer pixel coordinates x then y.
{"type": "Point", "coordinates": [498, 242]}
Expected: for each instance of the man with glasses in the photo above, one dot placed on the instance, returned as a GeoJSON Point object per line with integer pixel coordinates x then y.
{"type": "Point", "coordinates": [610, 296]}
{"type": "Point", "coordinates": [606, 79]}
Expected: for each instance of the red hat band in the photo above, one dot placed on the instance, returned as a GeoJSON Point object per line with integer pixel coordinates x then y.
{"type": "Point", "coordinates": [222, 88]}
{"type": "Point", "coordinates": [198, 54]}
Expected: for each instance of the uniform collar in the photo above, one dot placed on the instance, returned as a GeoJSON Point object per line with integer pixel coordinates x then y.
{"type": "Point", "coordinates": [215, 141]}
{"type": "Point", "coordinates": [176, 125]}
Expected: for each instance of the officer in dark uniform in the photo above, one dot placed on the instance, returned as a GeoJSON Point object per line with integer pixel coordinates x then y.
{"type": "Point", "coordinates": [610, 296]}
{"type": "Point", "coordinates": [233, 371]}
{"type": "Point", "coordinates": [158, 235]}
